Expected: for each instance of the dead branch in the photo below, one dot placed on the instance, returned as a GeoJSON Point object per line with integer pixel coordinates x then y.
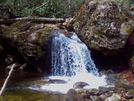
{"type": "Point", "coordinates": [38, 8]}
{"type": "Point", "coordinates": [4, 85]}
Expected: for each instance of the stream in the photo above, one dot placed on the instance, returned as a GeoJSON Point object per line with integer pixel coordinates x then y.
{"type": "Point", "coordinates": [32, 86]}
{"type": "Point", "coordinates": [17, 88]}
{"type": "Point", "coordinates": [72, 65]}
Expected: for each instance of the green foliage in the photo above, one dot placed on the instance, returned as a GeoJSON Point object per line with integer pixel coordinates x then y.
{"type": "Point", "coordinates": [52, 9]}
{"type": "Point", "coordinates": [55, 8]}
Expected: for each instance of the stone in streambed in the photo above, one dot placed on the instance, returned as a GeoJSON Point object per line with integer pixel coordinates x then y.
{"type": "Point", "coordinates": [114, 97]}
{"type": "Point", "coordinates": [73, 95]}
{"type": "Point", "coordinates": [57, 81]}
{"type": "Point", "coordinates": [80, 85]}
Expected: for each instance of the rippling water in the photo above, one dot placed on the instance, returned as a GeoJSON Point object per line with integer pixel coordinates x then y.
{"type": "Point", "coordinates": [18, 87]}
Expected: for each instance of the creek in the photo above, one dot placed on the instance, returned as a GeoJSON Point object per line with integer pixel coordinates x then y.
{"type": "Point", "coordinates": [71, 62]}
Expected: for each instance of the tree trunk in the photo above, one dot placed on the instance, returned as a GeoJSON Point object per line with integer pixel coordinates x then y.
{"type": "Point", "coordinates": [37, 20]}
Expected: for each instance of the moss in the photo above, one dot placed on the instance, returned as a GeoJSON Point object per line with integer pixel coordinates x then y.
{"type": "Point", "coordinates": [94, 46]}
{"type": "Point", "coordinates": [15, 26]}
{"type": "Point", "coordinates": [101, 36]}
{"type": "Point", "coordinates": [13, 98]}
{"type": "Point", "coordinates": [80, 13]}
{"type": "Point", "coordinates": [39, 52]}
{"type": "Point", "coordinates": [40, 37]}
{"type": "Point", "coordinates": [121, 16]}
{"type": "Point", "coordinates": [128, 30]}
{"type": "Point", "coordinates": [132, 91]}
{"type": "Point", "coordinates": [16, 29]}
{"type": "Point", "coordinates": [44, 33]}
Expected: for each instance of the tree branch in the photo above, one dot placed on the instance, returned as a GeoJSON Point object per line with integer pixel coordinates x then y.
{"type": "Point", "coordinates": [38, 8]}
{"type": "Point", "coordinates": [4, 85]}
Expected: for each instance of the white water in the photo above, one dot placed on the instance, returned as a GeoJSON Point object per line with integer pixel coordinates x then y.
{"type": "Point", "coordinates": [71, 62]}
{"type": "Point", "coordinates": [93, 81]}
{"type": "Point", "coordinates": [70, 56]}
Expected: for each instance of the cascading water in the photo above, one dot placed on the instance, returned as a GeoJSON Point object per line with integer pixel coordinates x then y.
{"type": "Point", "coordinates": [70, 56]}
{"type": "Point", "coordinates": [71, 62]}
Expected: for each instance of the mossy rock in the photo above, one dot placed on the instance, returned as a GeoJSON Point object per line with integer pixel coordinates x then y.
{"type": "Point", "coordinates": [30, 38]}
{"type": "Point", "coordinates": [130, 94]}
{"type": "Point", "coordinates": [104, 25]}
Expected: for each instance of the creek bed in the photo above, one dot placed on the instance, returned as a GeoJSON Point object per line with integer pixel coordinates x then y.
{"type": "Point", "coordinates": [17, 88]}
{"type": "Point", "coordinates": [29, 86]}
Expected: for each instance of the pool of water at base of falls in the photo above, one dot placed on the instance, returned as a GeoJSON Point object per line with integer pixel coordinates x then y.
{"type": "Point", "coordinates": [71, 60]}
{"type": "Point", "coordinates": [18, 87]}
{"type": "Point", "coordinates": [32, 86]}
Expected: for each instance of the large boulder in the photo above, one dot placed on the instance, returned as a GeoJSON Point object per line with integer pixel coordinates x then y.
{"type": "Point", "coordinates": [104, 25]}
{"type": "Point", "coordinates": [31, 40]}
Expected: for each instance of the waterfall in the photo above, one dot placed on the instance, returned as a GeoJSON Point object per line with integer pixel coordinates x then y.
{"type": "Point", "coordinates": [70, 56]}
{"type": "Point", "coordinates": [71, 62]}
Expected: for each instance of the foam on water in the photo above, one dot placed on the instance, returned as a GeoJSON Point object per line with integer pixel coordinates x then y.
{"type": "Point", "coordinates": [93, 81]}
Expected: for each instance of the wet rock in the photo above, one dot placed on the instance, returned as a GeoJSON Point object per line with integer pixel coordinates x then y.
{"type": "Point", "coordinates": [98, 94]}
{"type": "Point", "coordinates": [31, 40]}
{"type": "Point", "coordinates": [104, 90]}
{"type": "Point", "coordinates": [102, 26]}
{"type": "Point", "coordinates": [80, 85]}
{"type": "Point", "coordinates": [9, 59]}
{"type": "Point", "coordinates": [114, 97]}
{"type": "Point", "coordinates": [104, 96]}
{"type": "Point", "coordinates": [130, 94]}
{"type": "Point", "coordinates": [72, 95]}
{"type": "Point", "coordinates": [68, 24]}
{"type": "Point", "coordinates": [57, 81]}
{"type": "Point", "coordinates": [96, 98]}
{"type": "Point", "coordinates": [92, 91]}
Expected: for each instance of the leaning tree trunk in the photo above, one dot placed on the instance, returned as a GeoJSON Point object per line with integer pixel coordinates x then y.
{"type": "Point", "coordinates": [38, 20]}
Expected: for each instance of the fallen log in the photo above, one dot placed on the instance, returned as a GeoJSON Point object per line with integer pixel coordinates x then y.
{"type": "Point", "coordinates": [33, 19]}
{"type": "Point", "coordinates": [4, 85]}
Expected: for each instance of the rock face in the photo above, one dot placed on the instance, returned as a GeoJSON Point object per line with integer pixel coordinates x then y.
{"type": "Point", "coordinates": [104, 25]}
{"type": "Point", "coordinates": [31, 41]}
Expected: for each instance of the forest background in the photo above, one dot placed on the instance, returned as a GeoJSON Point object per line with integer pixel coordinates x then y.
{"type": "Point", "coordinates": [39, 8]}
